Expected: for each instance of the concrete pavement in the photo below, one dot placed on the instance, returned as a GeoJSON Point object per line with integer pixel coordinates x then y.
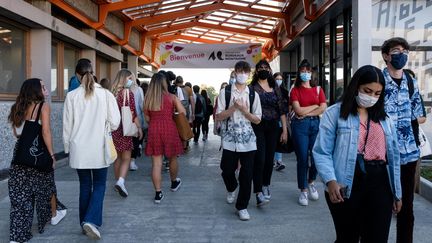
{"type": "Point", "coordinates": [198, 211]}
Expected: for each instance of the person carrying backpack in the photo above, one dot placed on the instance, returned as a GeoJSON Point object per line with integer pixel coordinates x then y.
{"type": "Point", "coordinates": [403, 106]}
{"type": "Point", "coordinates": [238, 107]}
{"type": "Point", "coordinates": [185, 95]}
{"type": "Point", "coordinates": [200, 112]}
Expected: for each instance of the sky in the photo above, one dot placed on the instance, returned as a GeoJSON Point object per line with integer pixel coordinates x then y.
{"type": "Point", "coordinates": [197, 76]}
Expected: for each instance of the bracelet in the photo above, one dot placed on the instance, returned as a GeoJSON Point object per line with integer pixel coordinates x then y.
{"type": "Point", "coordinates": [52, 155]}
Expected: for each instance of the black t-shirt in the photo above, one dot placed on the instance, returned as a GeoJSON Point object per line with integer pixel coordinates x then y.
{"type": "Point", "coordinates": [398, 81]}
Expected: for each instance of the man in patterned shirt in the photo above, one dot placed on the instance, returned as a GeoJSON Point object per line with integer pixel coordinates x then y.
{"type": "Point", "coordinates": [402, 109]}
{"type": "Point", "coordinates": [238, 137]}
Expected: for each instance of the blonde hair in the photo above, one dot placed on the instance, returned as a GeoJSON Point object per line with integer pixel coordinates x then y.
{"type": "Point", "coordinates": [153, 97]}
{"type": "Point", "coordinates": [119, 80]}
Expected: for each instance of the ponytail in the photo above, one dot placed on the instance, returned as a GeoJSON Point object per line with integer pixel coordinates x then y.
{"type": "Point", "coordinates": [88, 82]}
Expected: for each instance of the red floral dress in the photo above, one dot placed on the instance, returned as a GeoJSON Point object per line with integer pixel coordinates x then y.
{"type": "Point", "coordinates": [124, 143]}
{"type": "Point", "coordinates": [163, 137]}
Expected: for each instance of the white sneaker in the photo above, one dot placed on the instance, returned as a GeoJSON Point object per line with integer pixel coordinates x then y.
{"type": "Point", "coordinates": [121, 189]}
{"type": "Point", "coordinates": [266, 192]}
{"type": "Point", "coordinates": [313, 192]}
{"type": "Point", "coordinates": [230, 197]}
{"type": "Point", "coordinates": [91, 231]}
{"type": "Point", "coordinates": [303, 199]}
{"type": "Point", "coordinates": [243, 215]}
{"type": "Point", "coordinates": [133, 166]}
{"type": "Point", "coordinates": [59, 216]}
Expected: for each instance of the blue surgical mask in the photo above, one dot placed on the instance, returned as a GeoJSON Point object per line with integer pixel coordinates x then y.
{"type": "Point", "coordinates": [279, 82]}
{"type": "Point", "coordinates": [128, 83]}
{"type": "Point", "coordinates": [305, 76]}
{"type": "Point", "coordinates": [398, 61]}
{"type": "Point", "coordinates": [232, 81]}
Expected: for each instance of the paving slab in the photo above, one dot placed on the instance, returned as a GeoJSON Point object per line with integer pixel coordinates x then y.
{"type": "Point", "coordinates": [198, 211]}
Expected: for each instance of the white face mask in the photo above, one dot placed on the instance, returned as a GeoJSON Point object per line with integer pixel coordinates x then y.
{"type": "Point", "coordinates": [279, 82]}
{"type": "Point", "coordinates": [365, 100]}
{"type": "Point", "coordinates": [241, 78]}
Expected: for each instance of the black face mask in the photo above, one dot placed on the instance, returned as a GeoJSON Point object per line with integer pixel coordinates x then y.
{"type": "Point", "coordinates": [263, 74]}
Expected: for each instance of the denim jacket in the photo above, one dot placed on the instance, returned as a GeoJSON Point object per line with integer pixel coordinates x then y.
{"type": "Point", "coordinates": [335, 149]}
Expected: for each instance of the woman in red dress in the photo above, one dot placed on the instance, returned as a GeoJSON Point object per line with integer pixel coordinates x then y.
{"type": "Point", "coordinates": [163, 138]}
{"type": "Point", "coordinates": [123, 144]}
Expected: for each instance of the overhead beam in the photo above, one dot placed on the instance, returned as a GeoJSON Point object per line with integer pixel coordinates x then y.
{"type": "Point", "coordinates": [170, 38]}
{"type": "Point", "coordinates": [204, 9]}
{"type": "Point", "coordinates": [209, 26]}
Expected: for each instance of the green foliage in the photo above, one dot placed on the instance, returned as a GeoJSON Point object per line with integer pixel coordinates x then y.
{"type": "Point", "coordinates": [426, 172]}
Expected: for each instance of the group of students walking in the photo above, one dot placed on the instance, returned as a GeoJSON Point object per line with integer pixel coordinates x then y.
{"type": "Point", "coordinates": [363, 147]}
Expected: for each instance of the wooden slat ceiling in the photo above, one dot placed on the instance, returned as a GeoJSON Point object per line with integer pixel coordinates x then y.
{"type": "Point", "coordinates": [220, 25]}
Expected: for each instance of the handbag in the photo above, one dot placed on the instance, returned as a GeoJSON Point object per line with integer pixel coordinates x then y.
{"type": "Point", "coordinates": [129, 127]}
{"type": "Point", "coordinates": [30, 149]}
{"type": "Point", "coordinates": [110, 152]}
{"type": "Point", "coordinates": [425, 147]}
{"type": "Point", "coordinates": [183, 127]}
{"type": "Point", "coordinates": [284, 148]}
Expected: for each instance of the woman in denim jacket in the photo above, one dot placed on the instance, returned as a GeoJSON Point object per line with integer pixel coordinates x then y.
{"type": "Point", "coordinates": [356, 154]}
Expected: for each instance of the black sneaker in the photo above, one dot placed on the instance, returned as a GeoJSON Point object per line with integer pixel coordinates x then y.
{"type": "Point", "coordinates": [280, 166]}
{"type": "Point", "coordinates": [261, 200]}
{"type": "Point", "coordinates": [175, 185]}
{"type": "Point", "coordinates": [158, 197]}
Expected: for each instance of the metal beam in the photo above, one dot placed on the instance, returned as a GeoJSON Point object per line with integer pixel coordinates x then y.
{"type": "Point", "coordinates": [169, 38]}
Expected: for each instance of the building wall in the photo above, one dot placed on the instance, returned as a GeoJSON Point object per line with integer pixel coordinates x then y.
{"type": "Point", "coordinates": [115, 25]}
{"type": "Point", "coordinates": [134, 39]}
{"type": "Point", "coordinates": [7, 140]}
{"type": "Point", "coordinates": [88, 7]}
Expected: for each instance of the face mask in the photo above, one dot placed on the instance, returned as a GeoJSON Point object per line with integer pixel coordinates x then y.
{"type": "Point", "coordinates": [241, 78]}
{"type": "Point", "coordinates": [398, 61]}
{"type": "Point", "coordinates": [263, 74]}
{"type": "Point", "coordinates": [129, 83]}
{"type": "Point", "coordinates": [305, 76]}
{"type": "Point", "coordinates": [365, 100]}
{"type": "Point", "coordinates": [279, 82]}
{"type": "Point", "coordinates": [232, 81]}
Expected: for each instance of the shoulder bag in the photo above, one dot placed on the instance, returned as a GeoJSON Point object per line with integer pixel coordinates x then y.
{"type": "Point", "coordinates": [110, 153]}
{"type": "Point", "coordinates": [128, 125]}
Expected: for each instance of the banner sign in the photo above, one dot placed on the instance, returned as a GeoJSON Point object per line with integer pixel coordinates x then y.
{"type": "Point", "coordinates": [175, 55]}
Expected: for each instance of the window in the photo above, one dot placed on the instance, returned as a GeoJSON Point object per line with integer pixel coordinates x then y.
{"type": "Point", "coordinates": [70, 58]}
{"type": "Point", "coordinates": [54, 73]}
{"type": "Point", "coordinates": [13, 59]}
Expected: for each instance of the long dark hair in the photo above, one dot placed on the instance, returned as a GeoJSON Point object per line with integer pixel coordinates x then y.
{"type": "Point", "coordinates": [270, 78]}
{"type": "Point", "coordinates": [205, 96]}
{"type": "Point", "coordinates": [84, 70]}
{"type": "Point", "coordinates": [31, 91]}
{"type": "Point", "coordinates": [304, 63]}
{"type": "Point", "coordinates": [364, 75]}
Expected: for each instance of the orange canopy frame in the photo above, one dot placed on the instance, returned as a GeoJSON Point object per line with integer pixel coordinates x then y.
{"type": "Point", "coordinates": [269, 22]}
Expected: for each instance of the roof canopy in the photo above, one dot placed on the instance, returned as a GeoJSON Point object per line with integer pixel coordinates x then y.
{"type": "Point", "coordinates": [274, 23]}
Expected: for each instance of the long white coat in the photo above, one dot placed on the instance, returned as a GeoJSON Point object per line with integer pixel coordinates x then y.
{"type": "Point", "coordinates": [84, 125]}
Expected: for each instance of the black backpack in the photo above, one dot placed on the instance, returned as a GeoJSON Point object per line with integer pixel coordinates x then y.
{"type": "Point", "coordinates": [199, 106]}
{"type": "Point", "coordinates": [414, 123]}
{"type": "Point", "coordinates": [228, 96]}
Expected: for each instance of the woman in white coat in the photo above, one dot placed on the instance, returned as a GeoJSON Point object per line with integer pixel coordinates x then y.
{"type": "Point", "coordinates": [86, 111]}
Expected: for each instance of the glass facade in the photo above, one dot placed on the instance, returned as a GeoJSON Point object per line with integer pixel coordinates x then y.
{"type": "Point", "coordinates": [12, 58]}
{"type": "Point", "coordinates": [410, 19]}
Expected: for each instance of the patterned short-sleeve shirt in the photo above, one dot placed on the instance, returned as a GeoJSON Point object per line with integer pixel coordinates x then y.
{"type": "Point", "coordinates": [401, 109]}
{"type": "Point", "coordinates": [237, 133]}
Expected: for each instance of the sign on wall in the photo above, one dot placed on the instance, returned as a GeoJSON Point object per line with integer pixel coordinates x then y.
{"type": "Point", "coordinates": [174, 55]}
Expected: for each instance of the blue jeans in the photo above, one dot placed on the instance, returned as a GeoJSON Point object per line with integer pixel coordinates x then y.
{"type": "Point", "coordinates": [92, 193]}
{"type": "Point", "coordinates": [304, 132]}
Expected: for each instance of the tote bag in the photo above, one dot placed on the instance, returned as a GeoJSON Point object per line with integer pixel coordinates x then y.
{"type": "Point", "coordinates": [30, 149]}
{"type": "Point", "coordinates": [110, 153]}
{"type": "Point", "coordinates": [183, 126]}
{"type": "Point", "coordinates": [129, 127]}
{"type": "Point", "coordinates": [425, 147]}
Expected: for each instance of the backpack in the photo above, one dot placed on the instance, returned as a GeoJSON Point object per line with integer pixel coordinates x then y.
{"type": "Point", "coordinates": [414, 123]}
{"type": "Point", "coordinates": [228, 97]}
{"type": "Point", "coordinates": [200, 108]}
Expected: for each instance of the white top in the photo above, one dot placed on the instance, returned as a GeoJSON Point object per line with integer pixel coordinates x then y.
{"type": "Point", "coordinates": [84, 126]}
{"type": "Point", "coordinates": [239, 137]}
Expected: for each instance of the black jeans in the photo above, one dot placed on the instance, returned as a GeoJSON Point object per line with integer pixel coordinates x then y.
{"type": "Point", "coordinates": [266, 133]}
{"type": "Point", "coordinates": [229, 165]}
{"type": "Point", "coordinates": [196, 128]}
{"type": "Point", "coordinates": [205, 125]}
{"type": "Point", "coordinates": [136, 151]}
{"type": "Point", "coordinates": [366, 215]}
{"type": "Point", "coordinates": [405, 218]}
